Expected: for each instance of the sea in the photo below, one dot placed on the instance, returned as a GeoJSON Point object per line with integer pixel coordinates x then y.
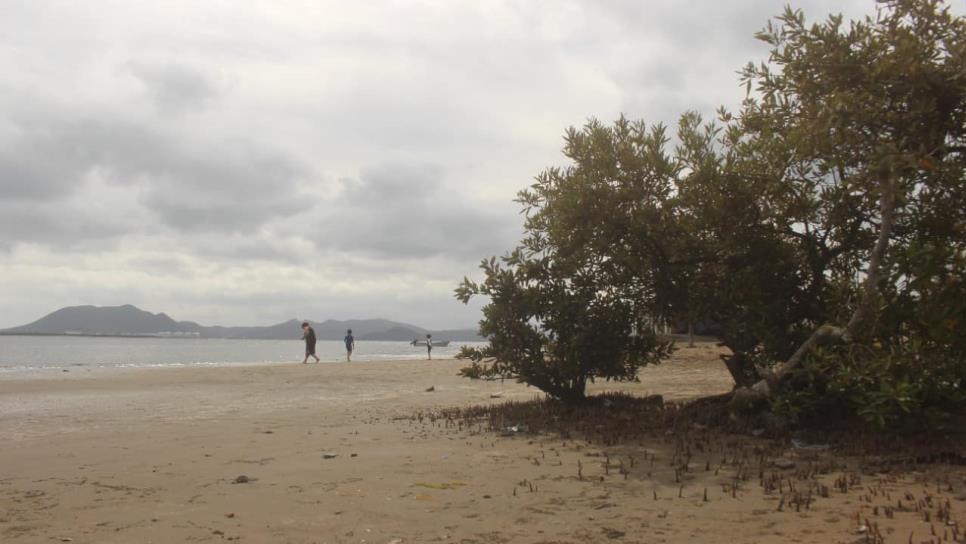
{"type": "Point", "coordinates": [32, 353]}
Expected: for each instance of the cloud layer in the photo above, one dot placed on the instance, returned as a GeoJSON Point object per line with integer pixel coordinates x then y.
{"type": "Point", "coordinates": [315, 159]}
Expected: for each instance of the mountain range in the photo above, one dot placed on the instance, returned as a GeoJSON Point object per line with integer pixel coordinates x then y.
{"type": "Point", "coordinates": [128, 320]}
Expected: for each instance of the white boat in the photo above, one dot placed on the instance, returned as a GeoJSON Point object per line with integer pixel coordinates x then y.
{"type": "Point", "coordinates": [436, 343]}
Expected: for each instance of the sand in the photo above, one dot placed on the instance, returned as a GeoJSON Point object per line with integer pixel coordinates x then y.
{"type": "Point", "coordinates": [326, 453]}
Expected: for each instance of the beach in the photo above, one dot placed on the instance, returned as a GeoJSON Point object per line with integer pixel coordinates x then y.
{"type": "Point", "coordinates": [331, 453]}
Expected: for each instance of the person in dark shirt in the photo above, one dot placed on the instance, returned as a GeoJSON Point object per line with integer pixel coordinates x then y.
{"type": "Point", "coordinates": [350, 345]}
{"type": "Point", "coordinates": [308, 334]}
{"type": "Point", "coordinates": [429, 346]}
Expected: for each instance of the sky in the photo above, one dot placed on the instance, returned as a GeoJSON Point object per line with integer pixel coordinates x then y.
{"type": "Point", "coordinates": [247, 162]}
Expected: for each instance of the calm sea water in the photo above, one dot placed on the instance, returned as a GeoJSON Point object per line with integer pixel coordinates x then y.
{"type": "Point", "coordinates": [24, 353]}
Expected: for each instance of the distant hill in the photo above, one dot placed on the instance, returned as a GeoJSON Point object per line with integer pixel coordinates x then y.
{"type": "Point", "coordinates": [111, 320]}
{"type": "Point", "coordinates": [324, 330]}
{"type": "Point", "coordinates": [128, 320]}
{"type": "Point", "coordinates": [402, 334]}
{"type": "Point", "coordinates": [361, 328]}
{"type": "Point", "coordinates": [408, 333]}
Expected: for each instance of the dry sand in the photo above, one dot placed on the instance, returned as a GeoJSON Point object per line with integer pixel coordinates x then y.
{"type": "Point", "coordinates": [153, 455]}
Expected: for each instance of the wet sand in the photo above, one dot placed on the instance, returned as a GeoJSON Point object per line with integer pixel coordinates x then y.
{"type": "Point", "coordinates": [326, 453]}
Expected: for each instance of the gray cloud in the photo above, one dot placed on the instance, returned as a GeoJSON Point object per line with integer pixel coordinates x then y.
{"type": "Point", "coordinates": [175, 88]}
{"type": "Point", "coordinates": [55, 225]}
{"type": "Point", "coordinates": [235, 187]}
{"type": "Point", "coordinates": [38, 163]}
{"type": "Point", "coordinates": [224, 186]}
{"type": "Point", "coordinates": [184, 156]}
{"type": "Point", "coordinates": [405, 211]}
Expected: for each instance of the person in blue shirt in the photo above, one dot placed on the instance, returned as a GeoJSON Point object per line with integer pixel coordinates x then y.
{"type": "Point", "coordinates": [350, 345]}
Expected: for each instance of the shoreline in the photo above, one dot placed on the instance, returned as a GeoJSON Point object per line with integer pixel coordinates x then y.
{"type": "Point", "coordinates": [104, 370]}
{"type": "Point", "coordinates": [20, 354]}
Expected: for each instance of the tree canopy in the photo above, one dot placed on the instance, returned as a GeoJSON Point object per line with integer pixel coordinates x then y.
{"type": "Point", "coordinates": [819, 229]}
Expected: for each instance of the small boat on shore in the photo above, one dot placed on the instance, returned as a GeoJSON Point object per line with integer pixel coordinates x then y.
{"type": "Point", "coordinates": [436, 343]}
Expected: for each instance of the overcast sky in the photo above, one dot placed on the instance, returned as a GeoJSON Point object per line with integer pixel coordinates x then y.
{"type": "Point", "coordinates": [239, 163]}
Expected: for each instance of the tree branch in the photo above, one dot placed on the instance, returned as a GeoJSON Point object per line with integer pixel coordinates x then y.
{"type": "Point", "coordinates": [765, 387]}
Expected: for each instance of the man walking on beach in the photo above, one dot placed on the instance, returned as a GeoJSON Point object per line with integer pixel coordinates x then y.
{"type": "Point", "coordinates": [308, 334]}
{"type": "Point", "coordinates": [350, 345]}
{"type": "Point", "coordinates": [429, 346]}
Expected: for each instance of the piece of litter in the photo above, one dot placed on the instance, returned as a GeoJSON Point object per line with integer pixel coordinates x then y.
{"type": "Point", "coordinates": [496, 395]}
{"type": "Point", "coordinates": [431, 388]}
{"type": "Point", "coordinates": [242, 480]}
{"type": "Point", "coordinates": [329, 455]}
{"type": "Point", "coordinates": [784, 463]}
{"type": "Point", "coordinates": [514, 429]}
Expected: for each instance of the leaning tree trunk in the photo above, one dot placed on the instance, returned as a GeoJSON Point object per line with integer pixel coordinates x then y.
{"type": "Point", "coordinates": [765, 387]}
{"type": "Point", "coordinates": [742, 369]}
